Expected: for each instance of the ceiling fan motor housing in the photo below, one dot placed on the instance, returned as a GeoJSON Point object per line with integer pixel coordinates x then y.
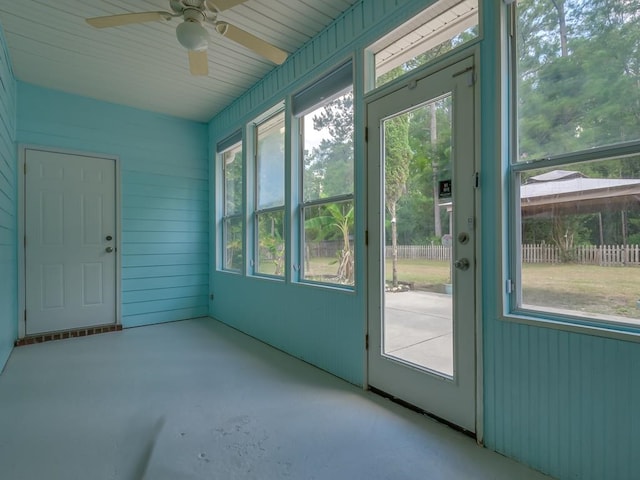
{"type": "Point", "coordinates": [180, 6]}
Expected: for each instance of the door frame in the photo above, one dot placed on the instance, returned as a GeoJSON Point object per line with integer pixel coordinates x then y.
{"type": "Point", "coordinates": [22, 294]}
{"type": "Point", "coordinates": [407, 81]}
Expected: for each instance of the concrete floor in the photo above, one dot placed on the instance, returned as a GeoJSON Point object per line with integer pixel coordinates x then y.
{"type": "Point", "coordinates": [198, 400]}
{"type": "Point", "coordinates": [419, 329]}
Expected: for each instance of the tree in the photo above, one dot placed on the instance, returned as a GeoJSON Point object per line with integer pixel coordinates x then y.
{"type": "Point", "coordinates": [336, 217]}
{"type": "Point", "coordinates": [328, 167]}
{"type": "Point", "coordinates": [397, 157]}
{"type": "Point", "coordinates": [579, 88]}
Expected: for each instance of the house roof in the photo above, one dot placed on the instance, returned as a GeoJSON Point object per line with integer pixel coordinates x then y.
{"type": "Point", "coordinates": [565, 192]}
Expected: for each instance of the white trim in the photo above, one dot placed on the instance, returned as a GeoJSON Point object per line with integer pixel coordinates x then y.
{"type": "Point", "coordinates": [479, 309]}
{"type": "Point", "coordinates": [22, 149]}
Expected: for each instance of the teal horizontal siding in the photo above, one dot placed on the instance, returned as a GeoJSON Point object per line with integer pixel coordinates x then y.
{"type": "Point", "coordinates": [164, 226]}
{"type": "Point", "coordinates": [166, 237]}
{"type": "Point", "coordinates": [133, 213]}
{"type": "Point", "coordinates": [164, 282]}
{"type": "Point", "coordinates": [164, 194]}
{"type": "Point", "coordinates": [8, 207]}
{"type": "Point", "coordinates": [143, 178]}
{"type": "Point", "coordinates": [160, 202]}
{"type": "Point", "coordinates": [164, 191]}
{"type": "Point", "coordinates": [166, 316]}
{"type": "Point", "coordinates": [164, 259]}
{"type": "Point", "coordinates": [165, 305]}
{"type": "Point", "coordinates": [171, 293]}
{"type": "Point", "coordinates": [166, 248]}
{"type": "Point", "coordinates": [171, 271]}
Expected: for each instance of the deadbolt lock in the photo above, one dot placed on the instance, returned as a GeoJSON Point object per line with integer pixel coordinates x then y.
{"type": "Point", "coordinates": [462, 264]}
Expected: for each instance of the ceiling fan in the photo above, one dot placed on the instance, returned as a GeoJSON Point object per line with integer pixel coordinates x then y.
{"type": "Point", "coordinates": [192, 34]}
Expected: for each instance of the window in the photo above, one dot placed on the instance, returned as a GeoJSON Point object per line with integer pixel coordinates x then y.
{"type": "Point", "coordinates": [230, 158]}
{"type": "Point", "coordinates": [325, 114]}
{"type": "Point", "coordinates": [576, 166]}
{"type": "Point", "coordinates": [440, 28]}
{"type": "Point", "coordinates": [269, 198]}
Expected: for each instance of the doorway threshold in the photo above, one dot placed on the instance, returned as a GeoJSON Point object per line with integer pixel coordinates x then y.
{"type": "Point", "coordinates": [60, 335]}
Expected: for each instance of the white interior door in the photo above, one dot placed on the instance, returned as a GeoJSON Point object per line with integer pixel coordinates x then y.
{"type": "Point", "coordinates": [70, 241]}
{"type": "Point", "coordinates": [421, 299]}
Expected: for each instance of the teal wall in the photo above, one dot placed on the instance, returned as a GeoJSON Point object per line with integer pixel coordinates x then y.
{"type": "Point", "coordinates": [8, 207]}
{"type": "Point", "coordinates": [164, 190]}
{"type": "Point", "coordinates": [323, 326]}
{"type": "Point", "coordinates": [564, 403]}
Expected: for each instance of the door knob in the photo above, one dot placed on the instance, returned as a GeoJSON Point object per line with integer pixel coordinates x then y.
{"type": "Point", "coordinates": [109, 249]}
{"type": "Point", "coordinates": [462, 264]}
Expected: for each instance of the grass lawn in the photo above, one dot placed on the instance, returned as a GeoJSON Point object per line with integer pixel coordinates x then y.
{"type": "Point", "coordinates": [584, 288]}
{"type": "Point", "coordinates": [581, 288]}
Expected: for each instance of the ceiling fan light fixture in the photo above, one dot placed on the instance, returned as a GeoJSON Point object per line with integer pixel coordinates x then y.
{"type": "Point", "coordinates": [192, 35]}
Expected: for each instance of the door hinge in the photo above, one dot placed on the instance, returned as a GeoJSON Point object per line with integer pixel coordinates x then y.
{"type": "Point", "coordinates": [25, 168]}
{"type": "Point", "coordinates": [366, 342]}
{"type": "Point", "coordinates": [366, 134]}
{"type": "Point", "coordinates": [366, 237]}
{"type": "Point", "coordinates": [477, 180]}
{"type": "Point", "coordinates": [24, 241]}
{"type": "Point", "coordinates": [25, 316]}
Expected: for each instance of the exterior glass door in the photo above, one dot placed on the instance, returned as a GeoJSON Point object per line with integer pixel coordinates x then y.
{"type": "Point", "coordinates": [422, 181]}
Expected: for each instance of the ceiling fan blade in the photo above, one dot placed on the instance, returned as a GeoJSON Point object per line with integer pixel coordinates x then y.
{"type": "Point", "coordinates": [220, 5]}
{"type": "Point", "coordinates": [127, 18]}
{"type": "Point", "coordinates": [198, 62]}
{"type": "Point", "coordinates": [252, 42]}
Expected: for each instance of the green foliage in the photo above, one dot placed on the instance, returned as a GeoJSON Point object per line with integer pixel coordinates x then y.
{"type": "Point", "coordinates": [579, 88]}
{"type": "Point", "coordinates": [329, 221]}
{"type": "Point", "coordinates": [579, 70]}
{"type": "Point", "coordinates": [271, 241]}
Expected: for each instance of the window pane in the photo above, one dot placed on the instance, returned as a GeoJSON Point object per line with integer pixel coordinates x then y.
{"type": "Point", "coordinates": [437, 30]}
{"type": "Point", "coordinates": [578, 75]}
{"type": "Point", "coordinates": [270, 163]}
{"type": "Point", "coordinates": [232, 166]}
{"type": "Point", "coordinates": [328, 243]}
{"type": "Point", "coordinates": [581, 239]}
{"type": "Point", "coordinates": [232, 243]}
{"type": "Point", "coordinates": [271, 251]}
{"type": "Point", "coordinates": [328, 149]}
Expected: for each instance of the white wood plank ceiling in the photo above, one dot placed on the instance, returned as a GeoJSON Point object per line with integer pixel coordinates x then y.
{"type": "Point", "coordinates": [143, 65]}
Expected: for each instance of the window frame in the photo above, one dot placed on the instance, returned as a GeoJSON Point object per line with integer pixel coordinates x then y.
{"type": "Point", "coordinates": [589, 323]}
{"type": "Point", "coordinates": [231, 142]}
{"type": "Point", "coordinates": [256, 211]}
{"type": "Point", "coordinates": [325, 85]}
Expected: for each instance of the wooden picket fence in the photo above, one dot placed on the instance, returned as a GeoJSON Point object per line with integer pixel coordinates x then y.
{"type": "Point", "coordinates": [603, 255]}
{"type": "Point", "coordinates": [428, 252]}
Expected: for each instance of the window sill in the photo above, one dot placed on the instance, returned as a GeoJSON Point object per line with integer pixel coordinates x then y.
{"type": "Point", "coordinates": [586, 326]}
